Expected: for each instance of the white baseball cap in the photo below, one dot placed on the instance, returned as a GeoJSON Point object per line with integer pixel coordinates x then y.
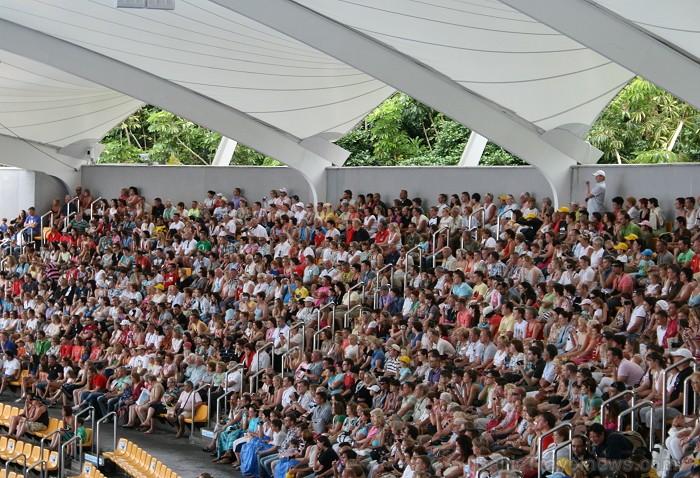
{"type": "Point", "coordinates": [600, 172]}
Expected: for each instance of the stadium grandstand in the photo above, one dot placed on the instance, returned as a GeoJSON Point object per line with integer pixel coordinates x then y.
{"type": "Point", "coordinates": [297, 329]}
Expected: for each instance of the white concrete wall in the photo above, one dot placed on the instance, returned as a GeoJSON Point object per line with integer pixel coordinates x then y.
{"type": "Point", "coordinates": [185, 183]}
{"type": "Point", "coordinates": [21, 189]}
{"type": "Point", "coordinates": [18, 188]}
{"type": "Point", "coordinates": [427, 182]}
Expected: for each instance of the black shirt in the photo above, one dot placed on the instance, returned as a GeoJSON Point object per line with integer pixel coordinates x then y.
{"type": "Point", "coordinates": [54, 371]}
{"type": "Point", "coordinates": [326, 459]}
{"type": "Point", "coordinates": [614, 447]}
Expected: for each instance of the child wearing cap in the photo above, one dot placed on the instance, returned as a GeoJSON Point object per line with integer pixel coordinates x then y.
{"type": "Point", "coordinates": [645, 263]}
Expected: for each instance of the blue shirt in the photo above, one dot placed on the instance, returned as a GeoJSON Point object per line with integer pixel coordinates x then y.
{"type": "Point", "coordinates": [462, 290]}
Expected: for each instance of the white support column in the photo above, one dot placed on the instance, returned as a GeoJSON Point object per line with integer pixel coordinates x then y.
{"type": "Point", "coordinates": [38, 157]}
{"type": "Point", "coordinates": [167, 95]}
{"type": "Point", "coordinates": [473, 150]}
{"type": "Point", "coordinates": [225, 151]}
{"type": "Point", "coordinates": [620, 40]}
{"type": "Point", "coordinates": [406, 74]}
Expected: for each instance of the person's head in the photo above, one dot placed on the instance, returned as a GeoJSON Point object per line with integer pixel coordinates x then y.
{"type": "Point", "coordinates": [579, 445]}
{"type": "Point", "coordinates": [596, 433]}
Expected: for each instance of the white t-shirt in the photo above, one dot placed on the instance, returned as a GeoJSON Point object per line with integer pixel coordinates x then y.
{"type": "Point", "coordinates": [11, 367]}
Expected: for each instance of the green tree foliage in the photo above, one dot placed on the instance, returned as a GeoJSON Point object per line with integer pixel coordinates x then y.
{"type": "Point", "coordinates": [403, 132]}
{"type": "Point", "coordinates": [645, 124]}
{"type": "Point", "coordinates": [169, 139]}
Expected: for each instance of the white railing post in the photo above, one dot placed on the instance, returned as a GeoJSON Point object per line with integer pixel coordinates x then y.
{"type": "Point", "coordinates": [377, 288]}
{"type": "Point", "coordinates": [541, 437]}
{"type": "Point", "coordinates": [319, 333]}
{"type": "Point", "coordinates": [41, 226]}
{"type": "Point", "coordinates": [434, 243]}
{"type": "Point", "coordinates": [347, 315]}
{"type": "Point", "coordinates": [604, 406]}
{"type": "Point", "coordinates": [405, 265]}
{"type": "Point", "coordinates": [92, 205]}
{"type": "Point", "coordinates": [631, 410]}
{"type": "Point", "coordinates": [664, 399]}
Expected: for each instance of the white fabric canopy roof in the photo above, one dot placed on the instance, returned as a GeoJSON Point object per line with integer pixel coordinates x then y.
{"type": "Point", "coordinates": [277, 74]}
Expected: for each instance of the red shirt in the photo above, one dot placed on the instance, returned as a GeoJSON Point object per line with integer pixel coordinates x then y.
{"type": "Point", "coordinates": [381, 236]}
{"type": "Point", "coordinates": [99, 381]}
{"type": "Point", "coordinates": [695, 263]}
{"type": "Point", "coordinates": [95, 353]}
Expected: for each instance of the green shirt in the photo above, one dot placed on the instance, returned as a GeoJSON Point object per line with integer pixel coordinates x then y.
{"type": "Point", "coordinates": [42, 346]}
{"type": "Point", "coordinates": [686, 256]}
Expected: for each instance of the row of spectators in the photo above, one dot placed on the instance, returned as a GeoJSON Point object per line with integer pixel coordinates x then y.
{"type": "Point", "coordinates": [364, 338]}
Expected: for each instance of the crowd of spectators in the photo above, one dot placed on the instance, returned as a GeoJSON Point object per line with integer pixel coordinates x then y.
{"type": "Point", "coordinates": [363, 337]}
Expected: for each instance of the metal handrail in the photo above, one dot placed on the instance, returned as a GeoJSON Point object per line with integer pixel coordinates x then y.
{"type": "Point", "coordinates": [42, 471]}
{"type": "Point", "coordinates": [433, 242]}
{"type": "Point", "coordinates": [491, 464]}
{"type": "Point", "coordinates": [99, 423]}
{"type": "Point", "coordinates": [202, 387]}
{"type": "Point", "coordinates": [469, 221]}
{"type": "Point", "coordinates": [66, 220]}
{"type": "Point", "coordinates": [612, 399]}
{"type": "Point", "coordinates": [317, 334]}
{"type": "Point", "coordinates": [347, 314]}
{"type": "Point", "coordinates": [498, 221]}
{"type": "Point", "coordinates": [87, 411]}
{"type": "Point", "coordinates": [301, 324]}
{"type": "Point", "coordinates": [564, 444]}
{"type": "Point", "coordinates": [284, 357]}
{"type": "Point", "coordinates": [639, 406]}
{"type": "Point", "coordinates": [253, 380]}
{"type": "Point", "coordinates": [218, 405]}
{"type": "Point", "coordinates": [92, 204]}
{"type": "Point", "coordinates": [61, 454]}
{"type": "Point", "coordinates": [687, 385]}
{"type": "Point", "coordinates": [663, 389]}
{"type": "Point", "coordinates": [46, 437]}
{"type": "Point", "coordinates": [4, 260]}
{"type": "Point", "coordinates": [20, 234]}
{"type": "Point", "coordinates": [377, 288]}
{"type": "Point", "coordinates": [318, 318]}
{"type": "Point", "coordinates": [405, 266]}
{"type": "Point", "coordinates": [41, 226]}
{"type": "Point", "coordinates": [547, 433]}
{"type": "Point", "coordinates": [257, 354]}
{"type": "Point", "coordinates": [14, 459]}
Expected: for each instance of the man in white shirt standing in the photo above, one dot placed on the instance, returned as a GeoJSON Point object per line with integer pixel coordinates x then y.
{"type": "Point", "coordinates": [595, 197]}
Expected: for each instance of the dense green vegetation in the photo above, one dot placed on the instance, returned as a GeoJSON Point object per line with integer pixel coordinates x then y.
{"type": "Point", "coordinates": [643, 124]}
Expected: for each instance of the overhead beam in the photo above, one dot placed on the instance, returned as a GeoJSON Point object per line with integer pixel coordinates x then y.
{"type": "Point", "coordinates": [167, 95]}
{"type": "Point", "coordinates": [406, 74]}
{"type": "Point", "coordinates": [620, 40]}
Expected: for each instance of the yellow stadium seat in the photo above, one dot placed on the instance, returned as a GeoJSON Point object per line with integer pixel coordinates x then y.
{"type": "Point", "coordinates": [9, 449]}
{"type": "Point", "coordinates": [88, 438]}
{"type": "Point", "coordinates": [3, 444]}
{"type": "Point", "coordinates": [34, 456]}
{"type": "Point", "coordinates": [54, 424]}
{"type": "Point", "coordinates": [7, 413]}
{"type": "Point", "coordinates": [18, 382]}
{"type": "Point", "coordinates": [86, 471]}
{"type": "Point", "coordinates": [200, 415]}
{"type": "Point", "coordinates": [18, 449]}
{"type": "Point", "coordinates": [52, 461]}
{"type": "Point", "coordinates": [123, 448]}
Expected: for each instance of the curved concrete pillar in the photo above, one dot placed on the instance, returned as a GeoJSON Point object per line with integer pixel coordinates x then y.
{"type": "Point", "coordinates": [38, 157]}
